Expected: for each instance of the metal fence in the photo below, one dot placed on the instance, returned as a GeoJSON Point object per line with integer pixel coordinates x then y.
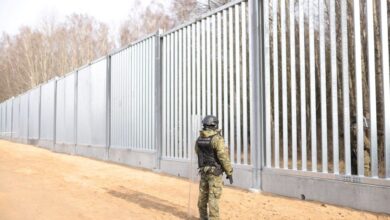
{"type": "Point", "coordinates": [289, 81]}
{"type": "Point", "coordinates": [2, 119]}
{"type": "Point", "coordinates": [205, 71]}
{"type": "Point", "coordinates": [47, 113]}
{"type": "Point", "coordinates": [91, 104]}
{"type": "Point", "coordinates": [23, 116]}
{"type": "Point", "coordinates": [34, 100]}
{"type": "Point", "coordinates": [15, 132]}
{"type": "Point", "coordinates": [324, 89]}
{"type": "Point", "coordinates": [132, 95]}
{"type": "Point", "coordinates": [65, 110]}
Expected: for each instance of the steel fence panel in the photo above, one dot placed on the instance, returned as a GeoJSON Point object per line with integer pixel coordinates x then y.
{"type": "Point", "coordinates": [313, 116]}
{"type": "Point", "coordinates": [276, 81]}
{"type": "Point", "coordinates": [231, 85]}
{"type": "Point", "coordinates": [15, 117]}
{"type": "Point", "coordinates": [200, 67]}
{"type": "Point", "coordinates": [324, 128]}
{"type": "Point", "coordinates": [358, 86]}
{"type": "Point", "coordinates": [345, 69]}
{"type": "Point", "coordinates": [47, 111]}
{"type": "Point", "coordinates": [7, 109]}
{"type": "Point", "coordinates": [65, 110]}
{"type": "Point", "coordinates": [34, 113]}
{"type": "Point", "coordinates": [293, 86]}
{"type": "Point", "coordinates": [267, 78]}
{"type": "Point", "coordinates": [335, 125]}
{"type": "Point", "coordinates": [23, 126]}
{"type": "Point", "coordinates": [302, 70]}
{"type": "Point", "coordinates": [2, 120]}
{"type": "Point", "coordinates": [284, 83]}
{"type": "Point", "coordinates": [372, 87]}
{"type": "Point", "coordinates": [91, 104]}
{"type": "Point", "coordinates": [343, 146]}
{"type": "Point", "coordinates": [386, 83]}
{"type": "Point", "coordinates": [131, 96]}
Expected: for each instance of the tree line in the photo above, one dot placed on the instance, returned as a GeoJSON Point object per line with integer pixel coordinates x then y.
{"type": "Point", "coordinates": [37, 54]}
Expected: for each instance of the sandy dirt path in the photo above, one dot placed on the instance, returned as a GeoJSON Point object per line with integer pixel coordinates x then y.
{"type": "Point", "coordinates": [39, 184]}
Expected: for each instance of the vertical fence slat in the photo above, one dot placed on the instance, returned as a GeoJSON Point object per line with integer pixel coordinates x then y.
{"type": "Point", "coordinates": [219, 67]}
{"type": "Point", "coordinates": [213, 66]}
{"type": "Point", "coordinates": [324, 133]}
{"type": "Point", "coordinates": [244, 83]}
{"type": "Point", "coordinates": [208, 65]}
{"type": "Point", "coordinates": [204, 73]}
{"type": "Point", "coordinates": [193, 83]}
{"type": "Point", "coordinates": [231, 85]}
{"type": "Point", "coordinates": [267, 85]}
{"type": "Point", "coordinates": [147, 96]}
{"type": "Point", "coordinates": [359, 93]}
{"type": "Point", "coordinates": [302, 70]}
{"type": "Point", "coordinates": [198, 69]}
{"type": "Point", "coordinates": [184, 143]}
{"type": "Point", "coordinates": [238, 82]}
{"type": "Point", "coordinates": [225, 80]}
{"type": "Point", "coordinates": [276, 80]}
{"type": "Point", "coordinates": [345, 66]}
{"type": "Point", "coordinates": [189, 90]}
{"type": "Point", "coordinates": [386, 84]}
{"type": "Point", "coordinates": [180, 91]}
{"type": "Point", "coordinates": [372, 87]}
{"type": "Point", "coordinates": [155, 118]}
{"type": "Point", "coordinates": [293, 87]}
{"type": "Point", "coordinates": [284, 82]}
{"type": "Point", "coordinates": [127, 101]}
{"type": "Point", "coordinates": [143, 79]}
{"type": "Point", "coordinates": [335, 124]}
{"type": "Point", "coordinates": [164, 96]}
{"type": "Point", "coordinates": [176, 97]}
{"type": "Point", "coordinates": [170, 98]}
{"type": "Point", "coordinates": [137, 134]}
{"type": "Point", "coordinates": [312, 92]}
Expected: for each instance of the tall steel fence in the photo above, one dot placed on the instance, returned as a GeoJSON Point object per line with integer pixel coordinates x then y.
{"type": "Point", "coordinates": [132, 95]}
{"type": "Point", "coordinates": [301, 90]}
{"type": "Point", "coordinates": [47, 114]}
{"type": "Point", "coordinates": [326, 96]}
{"type": "Point", "coordinates": [65, 110]}
{"type": "Point", "coordinates": [205, 71]}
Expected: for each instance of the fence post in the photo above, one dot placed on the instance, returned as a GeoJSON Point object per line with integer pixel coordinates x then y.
{"type": "Point", "coordinates": [55, 115]}
{"type": "Point", "coordinates": [158, 99]}
{"type": "Point", "coordinates": [256, 102]}
{"type": "Point", "coordinates": [108, 107]}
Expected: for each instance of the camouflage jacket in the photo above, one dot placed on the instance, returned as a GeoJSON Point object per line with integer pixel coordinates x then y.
{"type": "Point", "coordinates": [219, 147]}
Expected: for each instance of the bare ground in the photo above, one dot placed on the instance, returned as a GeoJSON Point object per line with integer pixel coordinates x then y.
{"type": "Point", "coordinates": [38, 184]}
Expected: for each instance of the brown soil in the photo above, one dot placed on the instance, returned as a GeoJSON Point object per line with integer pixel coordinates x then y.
{"type": "Point", "coordinates": [38, 184]}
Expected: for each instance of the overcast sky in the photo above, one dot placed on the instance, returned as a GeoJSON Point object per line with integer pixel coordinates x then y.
{"type": "Point", "coordinates": [14, 13]}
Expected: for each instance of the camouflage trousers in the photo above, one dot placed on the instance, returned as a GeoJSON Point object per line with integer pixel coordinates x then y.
{"type": "Point", "coordinates": [354, 163]}
{"type": "Point", "coordinates": [210, 191]}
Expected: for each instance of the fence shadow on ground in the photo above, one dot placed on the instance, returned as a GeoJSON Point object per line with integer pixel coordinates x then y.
{"type": "Point", "coordinates": [149, 202]}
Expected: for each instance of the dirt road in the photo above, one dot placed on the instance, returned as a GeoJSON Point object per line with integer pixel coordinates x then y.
{"type": "Point", "coordinates": [38, 184]}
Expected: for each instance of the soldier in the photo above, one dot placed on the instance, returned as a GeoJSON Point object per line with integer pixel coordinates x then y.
{"type": "Point", "coordinates": [213, 160]}
{"type": "Point", "coordinates": [354, 157]}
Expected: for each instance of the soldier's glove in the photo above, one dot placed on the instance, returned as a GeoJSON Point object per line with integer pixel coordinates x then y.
{"type": "Point", "coordinates": [230, 179]}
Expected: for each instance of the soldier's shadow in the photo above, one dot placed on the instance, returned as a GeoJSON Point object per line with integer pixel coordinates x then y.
{"type": "Point", "coordinates": [149, 202]}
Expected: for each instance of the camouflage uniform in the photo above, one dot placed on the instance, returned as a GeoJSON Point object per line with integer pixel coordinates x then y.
{"type": "Point", "coordinates": [210, 186]}
{"type": "Point", "coordinates": [354, 154]}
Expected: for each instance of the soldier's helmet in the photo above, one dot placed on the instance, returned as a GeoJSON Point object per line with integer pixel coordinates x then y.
{"type": "Point", "coordinates": [210, 122]}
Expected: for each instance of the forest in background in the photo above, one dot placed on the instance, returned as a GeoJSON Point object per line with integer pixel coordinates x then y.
{"type": "Point", "coordinates": [37, 54]}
